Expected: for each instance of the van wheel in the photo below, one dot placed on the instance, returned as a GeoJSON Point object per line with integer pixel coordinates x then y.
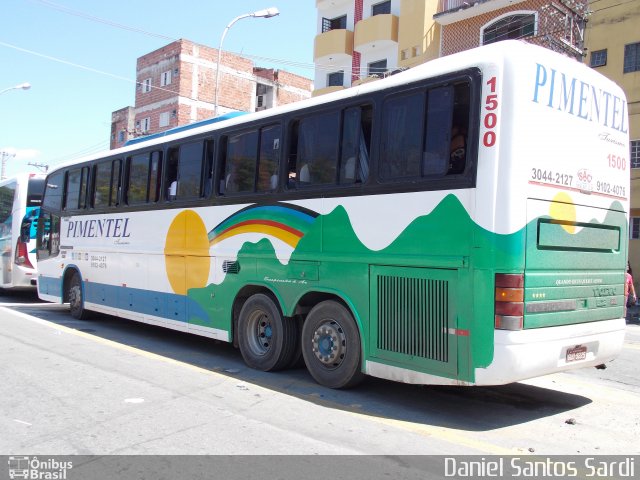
{"type": "Point", "coordinates": [331, 346]}
{"type": "Point", "coordinates": [267, 341]}
{"type": "Point", "coordinates": [76, 300]}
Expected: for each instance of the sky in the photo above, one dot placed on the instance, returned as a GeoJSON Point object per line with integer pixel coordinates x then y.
{"type": "Point", "coordinates": [80, 58]}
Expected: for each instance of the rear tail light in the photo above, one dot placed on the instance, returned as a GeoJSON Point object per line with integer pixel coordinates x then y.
{"type": "Point", "coordinates": [509, 301]}
{"type": "Point", "coordinates": [22, 255]}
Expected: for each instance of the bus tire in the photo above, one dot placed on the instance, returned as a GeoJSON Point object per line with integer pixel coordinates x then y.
{"type": "Point", "coordinates": [76, 299]}
{"type": "Point", "coordinates": [267, 341]}
{"type": "Point", "coordinates": [331, 346]}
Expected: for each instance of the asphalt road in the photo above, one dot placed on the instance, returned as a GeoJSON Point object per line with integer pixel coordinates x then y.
{"type": "Point", "coordinates": [109, 386]}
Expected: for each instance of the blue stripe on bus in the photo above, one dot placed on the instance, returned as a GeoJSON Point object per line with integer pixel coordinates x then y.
{"type": "Point", "coordinates": [145, 302]}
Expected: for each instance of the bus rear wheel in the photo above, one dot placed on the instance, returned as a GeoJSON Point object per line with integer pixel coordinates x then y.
{"type": "Point", "coordinates": [331, 346]}
{"type": "Point", "coordinates": [76, 300]}
{"type": "Point", "coordinates": [267, 340]}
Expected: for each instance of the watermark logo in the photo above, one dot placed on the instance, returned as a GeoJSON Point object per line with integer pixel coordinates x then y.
{"type": "Point", "coordinates": [34, 468]}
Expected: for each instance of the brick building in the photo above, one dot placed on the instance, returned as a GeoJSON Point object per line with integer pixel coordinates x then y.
{"type": "Point", "coordinates": [176, 86]}
{"type": "Point", "coordinates": [558, 25]}
{"type": "Point", "coordinates": [361, 40]}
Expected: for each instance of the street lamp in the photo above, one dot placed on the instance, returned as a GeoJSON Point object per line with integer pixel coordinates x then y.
{"type": "Point", "coordinates": [22, 86]}
{"type": "Point", "coordinates": [267, 13]}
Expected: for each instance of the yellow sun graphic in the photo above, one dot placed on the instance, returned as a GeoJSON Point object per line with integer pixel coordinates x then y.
{"type": "Point", "coordinates": [186, 252]}
{"type": "Point", "coordinates": [563, 209]}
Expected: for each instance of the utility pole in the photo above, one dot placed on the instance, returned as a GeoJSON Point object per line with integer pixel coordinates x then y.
{"type": "Point", "coordinates": [5, 157]}
{"type": "Point", "coordinates": [42, 166]}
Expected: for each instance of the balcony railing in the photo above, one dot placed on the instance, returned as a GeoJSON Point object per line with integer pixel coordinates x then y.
{"type": "Point", "coordinates": [447, 5]}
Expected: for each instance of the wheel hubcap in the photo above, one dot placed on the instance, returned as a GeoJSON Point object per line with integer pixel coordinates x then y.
{"type": "Point", "coordinates": [260, 324]}
{"type": "Point", "coordinates": [330, 344]}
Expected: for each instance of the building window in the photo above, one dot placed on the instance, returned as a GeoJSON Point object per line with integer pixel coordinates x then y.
{"type": "Point", "coordinates": [599, 58]}
{"type": "Point", "coordinates": [511, 27]}
{"type": "Point", "coordinates": [378, 69]}
{"type": "Point", "coordinates": [121, 136]}
{"type": "Point", "coordinates": [164, 119]}
{"type": "Point", "coordinates": [165, 78]}
{"type": "Point", "coordinates": [338, 23]}
{"type": "Point", "coordinates": [632, 57]}
{"type": "Point", "coordinates": [381, 8]}
{"type": "Point", "coordinates": [145, 124]}
{"type": "Point", "coordinates": [335, 79]}
{"type": "Point", "coordinates": [146, 85]}
{"type": "Point", "coordinates": [634, 231]}
{"type": "Point", "coordinates": [635, 153]}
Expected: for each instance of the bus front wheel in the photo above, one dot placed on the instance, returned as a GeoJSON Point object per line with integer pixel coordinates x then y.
{"type": "Point", "coordinates": [267, 340]}
{"type": "Point", "coordinates": [331, 345]}
{"type": "Point", "coordinates": [76, 300]}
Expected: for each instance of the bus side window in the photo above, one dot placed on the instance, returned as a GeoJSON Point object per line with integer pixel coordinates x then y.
{"type": "Point", "coordinates": [435, 160]}
{"type": "Point", "coordinates": [116, 183]}
{"type": "Point", "coordinates": [458, 148]}
{"type": "Point", "coordinates": [402, 136]}
{"type": "Point", "coordinates": [207, 177]}
{"type": "Point", "coordinates": [240, 163]}
{"type": "Point", "coordinates": [317, 153]}
{"type": "Point", "coordinates": [138, 179]}
{"type": "Point", "coordinates": [101, 183]}
{"type": "Point", "coordinates": [52, 199]}
{"type": "Point", "coordinates": [155, 176]}
{"type": "Point", "coordinates": [292, 155]}
{"type": "Point", "coordinates": [171, 174]}
{"type": "Point", "coordinates": [76, 188]}
{"type": "Point", "coordinates": [356, 140]}
{"type": "Point", "coordinates": [189, 179]}
{"type": "Point", "coordinates": [269, 159]}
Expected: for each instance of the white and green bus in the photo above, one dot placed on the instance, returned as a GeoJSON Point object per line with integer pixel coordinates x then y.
{"type": "Point", "coordinates": [20, 198]}
{"type": "Point", "coordinates": [463, 222]}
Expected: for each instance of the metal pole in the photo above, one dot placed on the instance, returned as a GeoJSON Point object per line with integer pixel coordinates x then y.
{"type": "Point", "coordinates": [224, 33]}
{"type": "Point", "coordinates": [5, 157]}
{"type": "Point", "coordinates": [267, 13]}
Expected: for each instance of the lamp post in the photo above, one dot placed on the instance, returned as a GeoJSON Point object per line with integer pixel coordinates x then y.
{"type": "Point", "coordinates": [5, 156]}
{"type": "Point", "coordinates": [22, 86]}
{"type": "Point", "coordinates": [267, 13]}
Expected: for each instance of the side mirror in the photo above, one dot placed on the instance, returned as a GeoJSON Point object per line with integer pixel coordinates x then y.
{"type": "Point", "coordinates": [25, 230]}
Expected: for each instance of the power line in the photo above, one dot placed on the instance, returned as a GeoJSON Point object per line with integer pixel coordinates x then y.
{"type": "Point", "coordinates": [93, 18]}
{"type": "Point", "coordinates": [84, 67]}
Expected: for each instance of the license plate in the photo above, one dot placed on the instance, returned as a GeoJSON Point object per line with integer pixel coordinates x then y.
{"type": "Point", "coordinates": [576, 353]}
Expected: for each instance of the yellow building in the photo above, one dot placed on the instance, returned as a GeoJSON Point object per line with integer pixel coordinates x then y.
{"type": "Point", "coordinates": [361, 40]}
{"type": "Point", "coordinates": [612, 39]}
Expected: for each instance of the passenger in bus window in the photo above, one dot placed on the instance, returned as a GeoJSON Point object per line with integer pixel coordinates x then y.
{"type": "Point", "coordinates": [173, 190]}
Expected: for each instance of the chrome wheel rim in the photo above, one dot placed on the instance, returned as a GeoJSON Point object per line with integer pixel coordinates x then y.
{"type": "Point", "coordinates": [329, 344]}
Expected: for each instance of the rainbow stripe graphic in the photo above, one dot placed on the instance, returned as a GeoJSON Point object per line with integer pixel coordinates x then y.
{"type": "Point", "coordinates": [285, 222]}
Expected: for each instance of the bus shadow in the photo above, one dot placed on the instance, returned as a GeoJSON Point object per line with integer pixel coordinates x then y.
{"type": "Point", "coordinates": [475, 409]}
